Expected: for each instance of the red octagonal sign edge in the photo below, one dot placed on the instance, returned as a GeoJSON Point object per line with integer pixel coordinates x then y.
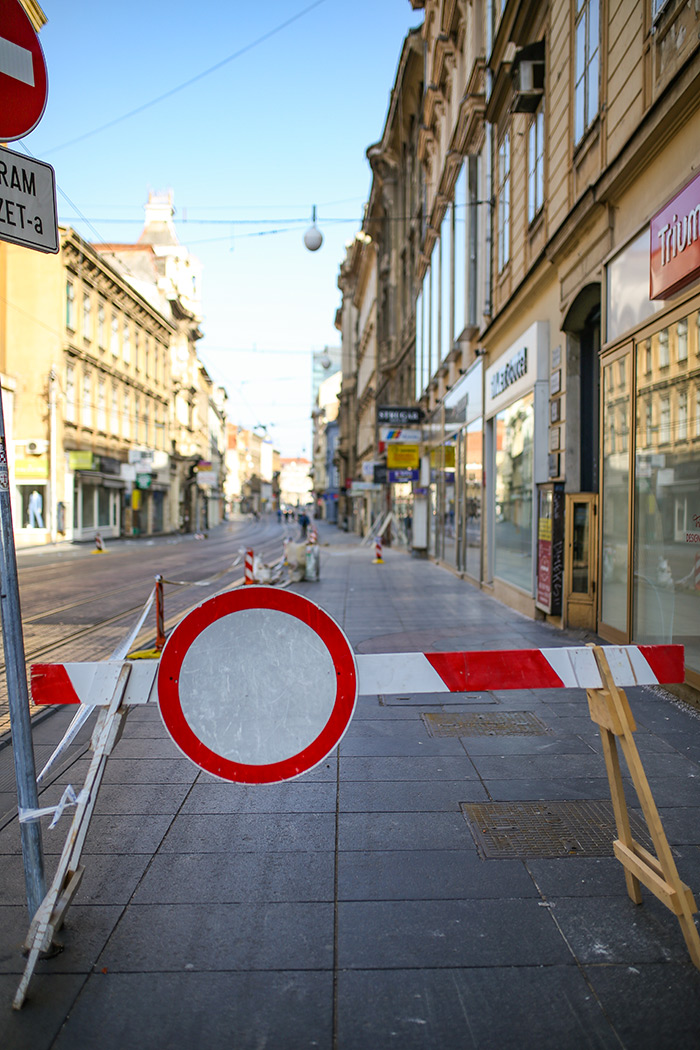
{"type": "Point", "coordinates": [23, 80]}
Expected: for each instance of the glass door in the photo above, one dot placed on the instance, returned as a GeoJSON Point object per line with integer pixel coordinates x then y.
{"type": "Point", "coordinates": [616, 445]}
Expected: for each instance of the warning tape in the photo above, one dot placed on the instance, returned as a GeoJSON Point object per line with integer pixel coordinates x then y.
{"type": "Point", "coordinates": [462, 672]}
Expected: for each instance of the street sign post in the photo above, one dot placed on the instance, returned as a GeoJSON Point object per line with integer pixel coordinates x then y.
{"type": "Point", "coordinates": [257, 685]}
{"type": "Point", "coordinates": [23, 79]}
{"type": "Point", "coordinates": [28, 202]}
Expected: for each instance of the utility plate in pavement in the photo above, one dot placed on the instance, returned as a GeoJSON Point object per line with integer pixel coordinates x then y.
{"type": "Point", "coordinates": [547, 829]}
{"type": "Point", "coordinates": [485, 723]}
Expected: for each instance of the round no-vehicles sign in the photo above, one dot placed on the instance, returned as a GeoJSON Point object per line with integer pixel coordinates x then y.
{"type": "Point", "coordinates": [257, 685]}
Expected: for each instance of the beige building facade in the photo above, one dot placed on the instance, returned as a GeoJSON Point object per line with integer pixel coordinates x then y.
{"type": "Point", "coordinates": [561, 413]}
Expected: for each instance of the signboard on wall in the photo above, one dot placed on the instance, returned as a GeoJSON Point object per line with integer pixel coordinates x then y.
{"type": "Point", "coordinates": [674, 257]}
{"type": "Point", "coordinates": [403, 457]}
{"type": "Point", "coordinates": [399, 416]}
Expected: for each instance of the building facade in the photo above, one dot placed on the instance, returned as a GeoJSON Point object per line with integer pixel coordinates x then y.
{"type": "Point", "coordinates": [550, 324]}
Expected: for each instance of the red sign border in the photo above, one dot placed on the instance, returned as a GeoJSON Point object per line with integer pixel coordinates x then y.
{"type": "Point", "coordinates": [257, 597]}
{"type": "Point", "coordinates": [29, 35]}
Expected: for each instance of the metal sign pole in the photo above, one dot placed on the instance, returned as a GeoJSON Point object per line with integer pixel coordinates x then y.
{"type": "Point", "coordinates": [18, 695]}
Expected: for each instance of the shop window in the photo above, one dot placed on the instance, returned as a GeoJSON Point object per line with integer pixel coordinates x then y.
{"type": "Point", "coordinates": [535, 165]}
{"type": "Point", "coordinates": [614, 502]}
{"type": "Point", "coordinates": [648, 428]}
{"type": "Point", "coordinates": [514, 478]}
{"type": "Point", "coordinates": [103, 507]}
{"type": "Point", "coordinates": [88, 506]}
{"type": "Point", "coordinates": [70, 305]}
{"type": "Point", "coordinates": [682, 334]}
{"type": "Point", "coordinates": [663, 348]}
{"type": "Point", "coordinates": [32, 501]}
{"type": "Point", "coordinates": [587, 66]}
{"type": "Point", "coordinates": [503, 201]}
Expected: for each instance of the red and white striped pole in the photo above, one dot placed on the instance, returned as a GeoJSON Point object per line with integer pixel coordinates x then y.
{"type": "Point", "coordinates": [249, 578]}
{"type": "Point", "coordinates": [378, 560]}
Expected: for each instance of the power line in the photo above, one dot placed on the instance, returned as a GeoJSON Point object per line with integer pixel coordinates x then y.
{"type": "Point", "coordinates": [187, 83]}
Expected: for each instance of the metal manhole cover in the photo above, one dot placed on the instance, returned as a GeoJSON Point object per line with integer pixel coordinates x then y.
{"type": "Point", "coordinates": [485, 723]}
{"type": "Point", "coordinates": [547, 829]}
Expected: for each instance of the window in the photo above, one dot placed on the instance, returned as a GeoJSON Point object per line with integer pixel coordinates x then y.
{"type": "Point", "coordinates": [101, 325]}
{"type": "Point", "coordinates": [126, 342]}
{"type": "Point", "coordinates": [535, 165]}
{"type": "Point", "coordinates": [683, 415]}
{"type": "Point", "coordinates": [114, 412]}
{"type": "Point", "coordinates": [419, 346]}
{"type": "Point", "coordinates": [136, 349]}
{"type": "Point", "coordinates": [87, 400]}
{"type": "Point", "coordinates": [682, 331]}
{"type": "Point", "coordinates": [87, 316]}
{"type": "Point", "coordinates": [587, 66]}
{"type": "Point", "coordinates": [663, 348]}
{"type": "Point", "coordinates": [146, 354]}
{"type": "Point", "coordinates": [459, 218]}
{"type": "Point", "coordinates": [114, 336]}
{"type": "Point", "coordinates": [146, 421]}
{"type": "Point", "coordinates": [101, 405]}
{"type": "Point", "coordinates": [126, 422]}
{"type": "Point", "coordinates": [665, 421]}
{"type": "Point", "coordinates": [503, 201]}
{"type": "Point", "coordinates": [70, 305]}
{"type": "Point", "coordinates": [648, 427]}
{"type": "Point", "coordinates": [137, 417]}
{"type": "Point", "coordinates": [647, 356]}
{"type": "Point", "coordinates": [70, 393]}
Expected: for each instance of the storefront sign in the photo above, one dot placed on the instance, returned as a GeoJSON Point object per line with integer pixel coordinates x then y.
{"type": "Point", "coordinates": [403, 457]}
{"type": "Point", "coordinates": [400, 477]}
{"type": "Point", "coordinates": [675, 243]}
{"type": "Point", "coordinates": [143, 481]}
{"type": "Point", "coordinates": [32, 467]}
{"type": "Point", "coordinates": [399, 416]}
{"type": "Point", "coordinates": [401, 435]}
{"type": "Point", "coordinates": [81, 461]}
{"type": "Point", "coordinates": [367, 469]}
{"type": "Point", "coordinates": [443, 457]}
{"type": "Point", "coordinates": [364, 486]}
{"type": "Point", "coordinates": [510, 373]}
{"type": "Point", "coordinates": [380, 474]}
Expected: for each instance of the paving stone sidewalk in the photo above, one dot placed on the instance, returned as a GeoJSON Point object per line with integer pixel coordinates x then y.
{"type": "Point", "coordinates": [376, 902]}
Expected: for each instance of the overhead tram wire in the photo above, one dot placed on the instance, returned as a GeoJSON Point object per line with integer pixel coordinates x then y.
{"type": "Point", "coordinates": [192, 80]}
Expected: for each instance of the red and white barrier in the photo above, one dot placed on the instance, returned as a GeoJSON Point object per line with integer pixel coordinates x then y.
{"type": "Point", "coordinates": [462, 672]}
{"type": "Point", "coordinates": [378, 559]}
{"type": "Point", "coordinates": [249, 577]}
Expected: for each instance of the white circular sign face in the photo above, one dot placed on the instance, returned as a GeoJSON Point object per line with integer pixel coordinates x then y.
{"type": "Point", "coordinates": [257, 685]}
{"type": "Point", "coordinates": [281, 695]}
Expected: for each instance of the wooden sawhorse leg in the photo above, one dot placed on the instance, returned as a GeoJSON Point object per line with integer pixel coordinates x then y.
{"type": "Point", "coordinates": [610, 710]}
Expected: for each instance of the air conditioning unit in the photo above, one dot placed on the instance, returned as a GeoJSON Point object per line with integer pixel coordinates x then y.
{"type": "Point", "coordinates": [528, 77]}
{"type": "Point", "coordinates": [37, 448]}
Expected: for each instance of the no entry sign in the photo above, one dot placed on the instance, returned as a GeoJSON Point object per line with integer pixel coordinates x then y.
{"type": "Point", "coordinates": [23, 82]}
{"type": "Point", "coordinates": [257, 685]}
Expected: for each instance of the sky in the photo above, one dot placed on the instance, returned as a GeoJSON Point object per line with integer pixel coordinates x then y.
{"type": "Point", "coordinates": [252, 114]}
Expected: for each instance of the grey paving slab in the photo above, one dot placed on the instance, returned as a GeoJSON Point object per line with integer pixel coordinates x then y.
{"type": "Point", "coordinates": [270, 936]}
{"type": "Point", "coordinates": [84, 934]}
{"type": "Point", "coordinates": [147, 748]}
{"type": "Point", "coordinates": [107, 834]}
{"type": "Point", "coordinates": [37, 1025]}
{"type": "Point", "coordinates": [682, 824]}
{"type": "Point", "coordinates": [499, 745]}
{"type": "Point", "coordinates": [566, 788]}
{"type": "Point", "coordinates": [408, 795]}
{"type": "Point", "coordinates": [429, 875]}
{"type": "Point", "coordinates": [136, 771]}
{"type": "Point", "coordinates": [407, 743]}
{"type": "Point", "coordinates": [298, 796]}
{"type": "Point", "coordinates": [409, 831]}
{"type": "Point", "coordinates": [426, 934]}
{"type": "Point", "coordinates": [219, 1011]}
{"type": "Point", "coordinates": [652, 1006]}
{"type": "Point", "coordinates": [499, 1008]}
{"type": "Point", "coordinates": [144, 799]}
{"type": "Point", "coordinates": [439, 767]}
{"type": "Point", "coordinates": [194, 878]}
{"type": "Point", "coordinates": [578, 876]}
{"type": "Point", "coordinates": [615, 930]}
{"type": "Point", "coordinates": [269, 833]}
